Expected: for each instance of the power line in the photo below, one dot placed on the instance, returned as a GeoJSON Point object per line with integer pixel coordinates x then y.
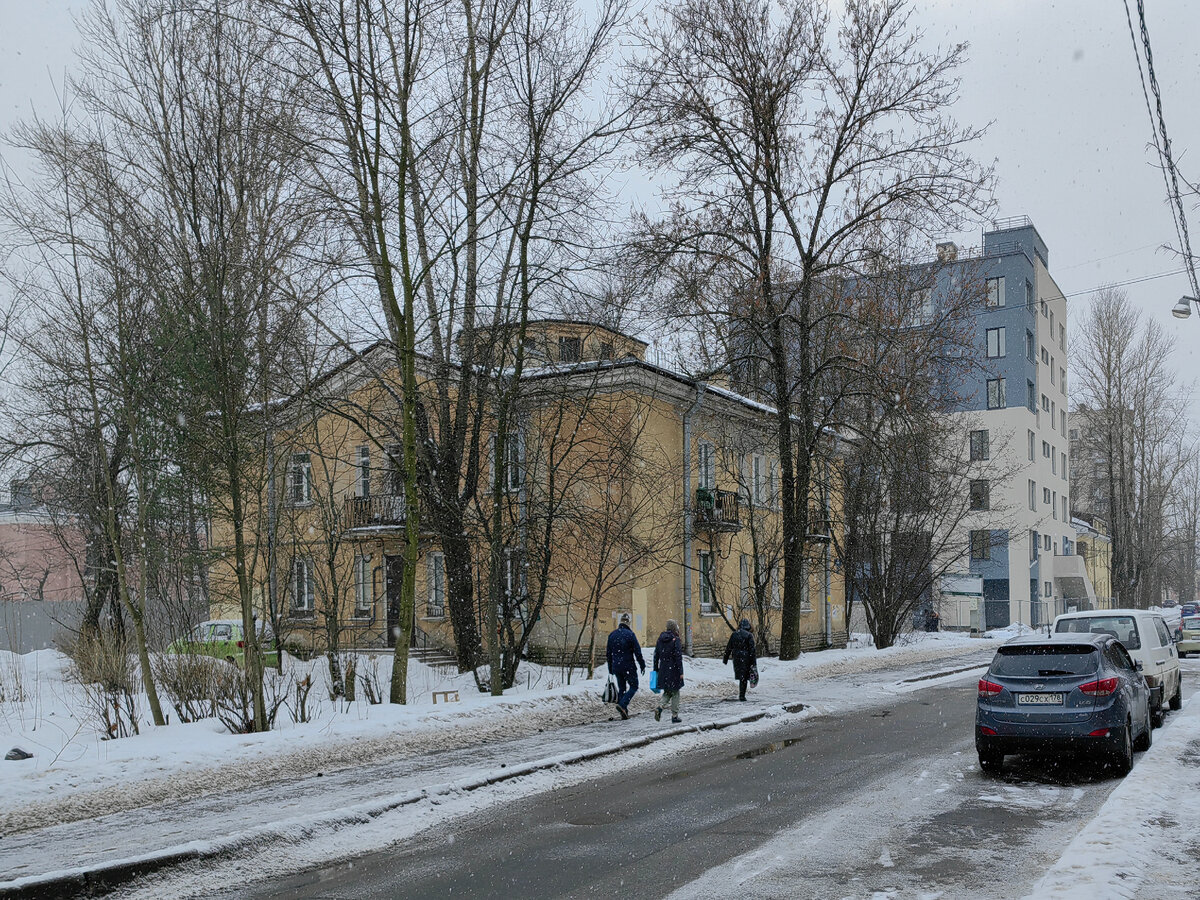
{"type": "Point", "coordinates": [1170, 177]}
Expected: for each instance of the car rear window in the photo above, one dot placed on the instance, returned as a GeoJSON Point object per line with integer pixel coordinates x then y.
{"type": "Point", "coordinates": [1192, 623]}
{"type": "Point", "coordinates": [1123, 628]}
{"type": "Point", "coordinates": [1034, 660]}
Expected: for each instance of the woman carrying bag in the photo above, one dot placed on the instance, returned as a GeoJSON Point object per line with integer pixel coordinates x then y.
{"type": "Point", "coordinates": [668, 670]}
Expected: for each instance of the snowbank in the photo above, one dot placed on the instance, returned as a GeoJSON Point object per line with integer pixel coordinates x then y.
{"type": "Point", "coordinates": [75, 773]}
{"type": "Point", "coordinates": [1140, 842]}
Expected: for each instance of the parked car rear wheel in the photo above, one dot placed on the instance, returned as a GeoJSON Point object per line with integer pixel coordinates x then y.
{"type": "Point", "coordinates": [990, 762]}
{"type": "Point", "coordinates": [1177, 697]}
{"type": "Point", "coordinates": [1122, 759]}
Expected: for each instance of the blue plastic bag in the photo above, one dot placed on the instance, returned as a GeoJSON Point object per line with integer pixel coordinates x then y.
{"type": "Point", "coordinates": [654, 682]}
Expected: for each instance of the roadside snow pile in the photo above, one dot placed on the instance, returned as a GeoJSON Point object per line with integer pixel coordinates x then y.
{"type": "Point", "coordinates": [76, 773]}
{"type": "Point", "coordinates": [1140, 842]}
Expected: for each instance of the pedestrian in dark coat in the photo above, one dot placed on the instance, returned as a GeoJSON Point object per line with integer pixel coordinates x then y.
{"type": "Point", "coordinates": [623, 652]}
{"type": "Point", "coordinates": [741, 649]}
{"type": "Point", "coordinates": [668, 663]}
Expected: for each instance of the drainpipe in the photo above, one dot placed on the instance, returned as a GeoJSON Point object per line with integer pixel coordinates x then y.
{"type": "Point", "coordinates": [828, 543]}
{"type": "Point", "coordinates": [687, 518]}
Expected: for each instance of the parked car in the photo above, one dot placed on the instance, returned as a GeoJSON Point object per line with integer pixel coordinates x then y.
{"type": "Point", "coordinates": [1189, 635]}
{"type": "Point", "coordinates": [1072, 692]}
{"type": "Point", "coordinates": [1149, 641]}
{"type": "Point", "coordinates": [1189, 609]}
{"type": "Point", "coordinates": [223, 639]}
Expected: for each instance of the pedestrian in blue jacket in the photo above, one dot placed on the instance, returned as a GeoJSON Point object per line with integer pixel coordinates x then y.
{"type": "Point", "coordinates": [623, 651]}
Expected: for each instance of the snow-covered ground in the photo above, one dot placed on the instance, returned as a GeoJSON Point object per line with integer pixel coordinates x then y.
{"type": "Point", "coordinates": [1142, 842]}
{"type": "Point", "coordinates": [75, 772]}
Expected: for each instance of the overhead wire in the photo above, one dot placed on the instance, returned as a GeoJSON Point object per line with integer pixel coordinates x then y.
{"type": "Point", "coordinates": [1163, 148]}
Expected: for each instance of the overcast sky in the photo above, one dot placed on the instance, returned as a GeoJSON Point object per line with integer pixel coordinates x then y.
{"type": "Point", "coordinates": [1057, 80]}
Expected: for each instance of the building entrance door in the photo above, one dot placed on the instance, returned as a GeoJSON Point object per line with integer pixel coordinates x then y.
{"type": "Point", "coordinates": [394, 569]}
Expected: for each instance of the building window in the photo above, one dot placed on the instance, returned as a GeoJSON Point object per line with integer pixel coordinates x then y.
{"type": "Point", "coordinates": [1047, 589]}
{"type": "Point", "coordinates": [1062, 380]}
{"type": "Point", "coordinates": [570, 349]}
{"type": "Point", "coordinates": [981, 545]}
{"type": "Point", "coordinates": [1029, 343]}
{"type": "Point", "coordinates": [1063, 469]}
{"type": "Point", "coordinates": [995, 343]}
{"type": "Point", "coordinates": [1053, 409]}
{"type": "Point", "coordinates": [364, 471]}
{"type": "Point", "coordinates": [1033, 495]}
{"type": "Point", "coordinates": [1045, 356]}
{"type": "Point", "coordinates": [514, 581]}
{"type": "Point", "coordinates": [1052, 381]}
{"type": "Point", "coordinates": [1064, 507]}
{"type": "Point", "coordinates": [394, 482]}
{"type": "Point", "coordinates": [1032, 438]}
{"type": "Point", "coordinates": [1074, 434]}
{"type": "Point", "coordinates": [1031, 396]}
{"type": "Point", "coordinates": [1045, 308]}
{"type": "Point", "coordinates": [1062, 337]}
{"type": "Point", "coordinates": [303, 590]}
{"type": "Point", "coordinates": [513, 476]}
{"type": "Point", "coordinates": [995, 291]}
{"type": "Point", "coordinates": [980, 448]}
{"type": "Point", "coordinates": [1046, 541]}
{"type": "Point", "coordinates": [707, 477]}
{"type": "Point", "coordinates": [920, 311]}
{"type": "Point", "coordinates": [761, 474]}
{"type": "Point", "coordinates": [1053, 462]}
{"type": "Point", "coordinates": [776, 596]}
{"type": "Point", "coordinates": [1054, 505]}
{"type": "Point", "coordinates": [1045, 403]}
{"type": "Point", "coordinates": [979, 494]}
{"type": "Point", "coordinates": [704, 565]}
{"type": "Point", "coordinates": [1051, 332]}
{"type": "Point", "coordinates": [1028, 294]}
{"type": "Point", "coordinates": [995, 393]}
{"type": "Point", "coordinates": [300, 479]}
{"type": "Point", "coordinates": [435, 586]}
{"type": "Point", "coordinates": [1045, 495]}
{"type": "Point", "coordinates": [1062, 421]}
{"type": "Point", "coordinates": [606, 350]}
{"type": "Point", "coordinates": [1033, 546]}
{"type": "Point", "coordinates": [1045, 450]}
{"type": "Point", "coordinates": [363, 595]}
{"type": "Point", "coordinates": [744, 580]}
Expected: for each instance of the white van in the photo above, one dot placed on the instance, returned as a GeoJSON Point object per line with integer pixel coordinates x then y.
{"type": "Point", "coordinates": [1149, 641]}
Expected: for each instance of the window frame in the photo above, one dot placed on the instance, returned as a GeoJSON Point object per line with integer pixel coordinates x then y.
{"type": "Point", "coordinates": [996, 342]}
{"type": "Point", "coordinates": [995, 388]}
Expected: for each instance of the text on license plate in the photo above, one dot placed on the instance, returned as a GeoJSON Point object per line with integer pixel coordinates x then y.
{"type": "Point", "coordinates": [1040, 699]}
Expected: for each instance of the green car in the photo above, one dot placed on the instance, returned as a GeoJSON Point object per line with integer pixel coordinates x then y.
{"type": "Point", "coordinates": [1189, 641]}
{"type": "Point", "coordinates": [222, 638]}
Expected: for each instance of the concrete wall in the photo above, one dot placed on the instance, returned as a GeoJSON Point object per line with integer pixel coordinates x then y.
{"type": "Point", "coordinates": [27, 625]}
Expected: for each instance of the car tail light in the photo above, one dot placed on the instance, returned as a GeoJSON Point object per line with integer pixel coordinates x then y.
{"type": "Point", "coordinates": [989, 689]}
{"type": "Point", "coordinates": [241, 644]}
{"type": "Point", "coordinates": [1102, 688]}
{"type": "Point", "coordinates": [1099, 732]}
{"type": "Point", "coordinates": [991, 732]}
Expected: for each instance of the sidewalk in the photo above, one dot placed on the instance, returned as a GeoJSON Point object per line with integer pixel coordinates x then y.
{"type": "Point", "coordinates": [143, 837]}
{"type": "Point", "coordinates": [1143, 841]}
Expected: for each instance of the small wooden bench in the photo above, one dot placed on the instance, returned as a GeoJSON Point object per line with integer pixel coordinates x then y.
{"type": "Point", "coordinates": [447, 696]}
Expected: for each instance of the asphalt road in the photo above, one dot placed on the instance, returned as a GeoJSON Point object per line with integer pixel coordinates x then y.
{"type": "Point", "coordinates": [887, 799]}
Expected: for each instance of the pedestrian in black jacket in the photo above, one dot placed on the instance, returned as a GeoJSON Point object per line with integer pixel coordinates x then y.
{"type": "Point", "coordinates": [741, 648]}
{"type": "Point", "coordinates": [623, 651]}
{"type": "Point", "coordinates": [668, 663]}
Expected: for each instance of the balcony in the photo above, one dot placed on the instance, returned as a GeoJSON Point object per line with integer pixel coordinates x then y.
{"type": "Point", "coordinates": [374, 513]}
{"type": "Point", "coordinates": [716, 511]}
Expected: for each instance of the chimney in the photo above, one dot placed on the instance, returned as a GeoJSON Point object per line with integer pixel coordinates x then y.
{"type": "Point", "coordinates": [947, 251]}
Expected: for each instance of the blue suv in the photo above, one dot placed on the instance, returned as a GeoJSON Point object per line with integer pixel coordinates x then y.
{"type": "Point", "coordinates": [1065, 692]}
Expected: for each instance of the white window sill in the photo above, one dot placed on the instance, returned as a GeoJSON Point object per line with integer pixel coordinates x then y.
{"type": "Point", "coordinates": [440, 618]}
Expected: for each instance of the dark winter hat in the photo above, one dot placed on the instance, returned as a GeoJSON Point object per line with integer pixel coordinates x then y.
{"type": "Point", "coordinates": [624, 620]}
{"type": "Point", "coordinates": [746, 624]}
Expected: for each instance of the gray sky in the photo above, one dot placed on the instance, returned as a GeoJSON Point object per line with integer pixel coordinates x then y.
{"type": "Point", "coordinates": [1057, 80]}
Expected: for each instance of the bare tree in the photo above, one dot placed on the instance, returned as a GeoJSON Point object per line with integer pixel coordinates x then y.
{"type": "Point", "coordinates": [1133, 436]}
{"type": "Point", "coordinates": [796, 140]}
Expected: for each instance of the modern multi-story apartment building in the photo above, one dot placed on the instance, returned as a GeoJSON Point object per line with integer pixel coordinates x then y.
{"type": "Point", "coordinates": [1021, 539]}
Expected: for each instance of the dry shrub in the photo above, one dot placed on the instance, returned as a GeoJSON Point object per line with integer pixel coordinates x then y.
{"type": "Point", "coordinates": [351, 676]}
{"type": "Point", "coordinates": [234, 696]}
{"type": "Point", "coordinates": [300, 711]}
{"type": "Point", "coordinates": [190, 681]}
{"type": "Point", "coordinates": [368, 678]}
{"type": "Point", "coordinates": [106, 671]}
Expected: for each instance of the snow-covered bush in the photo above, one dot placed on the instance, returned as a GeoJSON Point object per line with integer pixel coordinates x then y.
{"type": "Point", "coordinates": [368, 678]}
{"type": "Point", "coordinates": [234, 696]}
{"type": "Point", "coordinates": [106, 671]}
{"type": "Point", "coordinates": [190, 683]}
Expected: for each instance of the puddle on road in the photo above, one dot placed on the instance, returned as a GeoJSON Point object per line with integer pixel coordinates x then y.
{"type": "Point", "coordinates": [767, 748]}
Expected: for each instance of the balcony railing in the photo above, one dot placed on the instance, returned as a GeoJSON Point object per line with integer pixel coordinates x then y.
{"type": "Point", "coordinates": [717, 510]}
{"type": "Point", "coordinates": [374, 512]}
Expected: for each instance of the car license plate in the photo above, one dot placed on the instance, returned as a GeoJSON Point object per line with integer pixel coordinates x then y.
{"type": "Point", "coordinates": [1040, 699]}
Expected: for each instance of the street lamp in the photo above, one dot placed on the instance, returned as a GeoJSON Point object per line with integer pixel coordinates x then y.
{"type": "Point", "coordinates": [1183, 308]}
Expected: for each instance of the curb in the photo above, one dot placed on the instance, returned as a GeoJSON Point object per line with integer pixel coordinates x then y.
{"type": "Point", "coordinates": [101, 879]}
